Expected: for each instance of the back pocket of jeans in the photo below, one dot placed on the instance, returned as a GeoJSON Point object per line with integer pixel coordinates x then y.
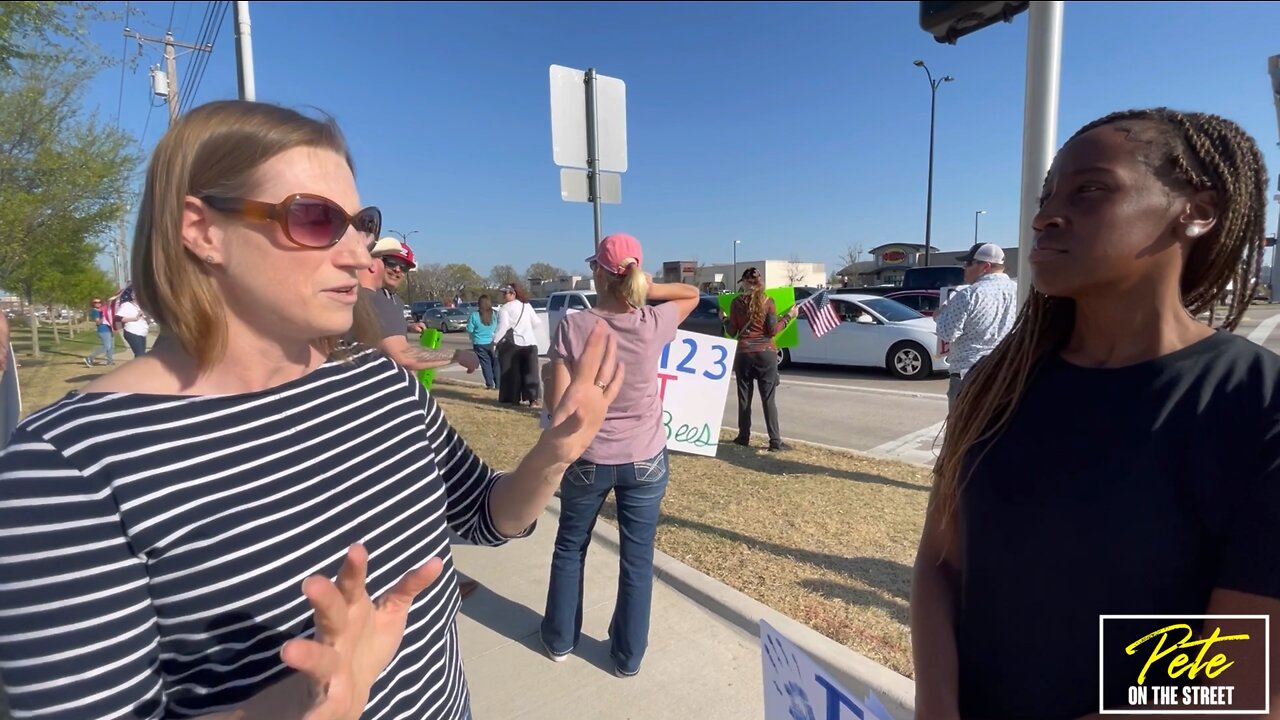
{"type": "Point", "coordinates": [650, 471]}
{"type": "Point", "coordinates": [581, 472]}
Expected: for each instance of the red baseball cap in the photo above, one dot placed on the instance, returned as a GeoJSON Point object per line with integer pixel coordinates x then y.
{"type": "Point", "coordinates": [616, 252]}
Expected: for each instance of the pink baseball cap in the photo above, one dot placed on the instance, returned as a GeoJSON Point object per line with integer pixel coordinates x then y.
{"type": "Point", "coordinates": [615, 251]}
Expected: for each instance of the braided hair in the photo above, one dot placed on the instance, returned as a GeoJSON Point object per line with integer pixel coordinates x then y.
{"type": "Point", "coordinates": [1189, 150]}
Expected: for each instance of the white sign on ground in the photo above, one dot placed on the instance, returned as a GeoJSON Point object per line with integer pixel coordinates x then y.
{"type": "Point", "coordinates": [694, 372]}
{"type": "Point", "coordinates": [795, 688]}
{"type": "Point", "coordinates": [569, 120]}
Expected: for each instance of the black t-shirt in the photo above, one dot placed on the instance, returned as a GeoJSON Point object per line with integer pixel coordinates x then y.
{"type": "Point", "coordinates": [1120, 491]}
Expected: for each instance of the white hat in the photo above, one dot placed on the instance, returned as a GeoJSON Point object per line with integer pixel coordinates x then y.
{"type": "Point", "coordinates": [984, 252]}
{"type": "Point", "coordinates": [385, 246]}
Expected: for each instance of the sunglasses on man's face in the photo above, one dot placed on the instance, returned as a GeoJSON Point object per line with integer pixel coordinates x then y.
{"type": "Point", "coordinates": [307, 220]}
{"type": "Point", "coordinates": [396, 265]}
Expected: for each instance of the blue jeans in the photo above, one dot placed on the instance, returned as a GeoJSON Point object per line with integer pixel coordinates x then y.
{"type": "Point", "coordinates": [639, 488]}
{"type": "Point", "coordinates": [488, 364]}
{"type": "Point", "coordinates": [108, 346]}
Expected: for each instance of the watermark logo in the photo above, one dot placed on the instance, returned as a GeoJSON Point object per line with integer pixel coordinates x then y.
{"type": "Point", "coordinates": [1183, 664]}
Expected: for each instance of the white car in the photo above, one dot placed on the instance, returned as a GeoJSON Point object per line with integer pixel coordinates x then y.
{"type": "Point", "coordinates": [873, 332]}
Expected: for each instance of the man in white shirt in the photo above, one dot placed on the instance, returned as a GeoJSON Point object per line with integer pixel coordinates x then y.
{"type": "Point", "coordinates": [979, 315]}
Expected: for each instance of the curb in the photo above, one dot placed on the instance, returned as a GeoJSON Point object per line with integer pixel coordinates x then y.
{"type": "Point", "coordinates": [859, 674]}
{"type": "Point", "coordinates": [727, 428]}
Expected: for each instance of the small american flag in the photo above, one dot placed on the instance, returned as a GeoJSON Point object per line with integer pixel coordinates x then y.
{"type": "Point", "coordinates": [820, 313]}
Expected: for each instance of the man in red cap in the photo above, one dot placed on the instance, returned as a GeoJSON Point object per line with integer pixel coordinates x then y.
{"type": "Point", "coordinates": [391, 319]}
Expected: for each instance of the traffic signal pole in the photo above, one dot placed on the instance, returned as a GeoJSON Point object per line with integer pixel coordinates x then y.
{"type": "Point", "coordinates": [1039, 124]}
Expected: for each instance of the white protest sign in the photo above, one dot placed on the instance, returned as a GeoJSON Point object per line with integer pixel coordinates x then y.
{"type": "Point", "coordinates": [693, 381]}
{"type": "Point", "coordinates": [944, 295]}
{"type": "Point", "coordinates": [795, 688]}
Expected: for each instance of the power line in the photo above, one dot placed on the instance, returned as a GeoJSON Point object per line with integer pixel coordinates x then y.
{"type": "Point", "coordinates": [201, 40]}
{"type": "Point", "coordinates": [173, 6]}
{"type": "Point", "coordinates": [214, 29]}
{"type": "Point", "coordinates": [123, 52]}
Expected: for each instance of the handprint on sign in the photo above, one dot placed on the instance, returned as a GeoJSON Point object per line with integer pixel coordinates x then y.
{"type": "Point", "coordinates": [792, 689]}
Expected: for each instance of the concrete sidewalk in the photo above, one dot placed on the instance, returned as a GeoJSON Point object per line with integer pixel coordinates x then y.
{"type": "Point", "coordinates": [697, 665]}
{"type": "Point", "coordinates": [703, 661]}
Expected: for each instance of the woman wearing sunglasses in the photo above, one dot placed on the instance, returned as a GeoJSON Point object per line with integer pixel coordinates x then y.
{"type": "Point", "coordinates": [168, 534]}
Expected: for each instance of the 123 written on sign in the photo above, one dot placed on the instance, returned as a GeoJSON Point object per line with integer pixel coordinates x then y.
{"type": "Point", "coordinates": [697, 361]}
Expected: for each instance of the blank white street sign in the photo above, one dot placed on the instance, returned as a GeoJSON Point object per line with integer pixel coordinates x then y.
{"type": "Point", "coordinates": [574, 187]}
{"type": "Point", "coordinates": [569, 120]}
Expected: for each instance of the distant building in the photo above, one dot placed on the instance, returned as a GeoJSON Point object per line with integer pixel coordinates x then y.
{"type": "Point", "coordinates": [724, 277]}
{"type": "Point", "coordinates": [889, 264]}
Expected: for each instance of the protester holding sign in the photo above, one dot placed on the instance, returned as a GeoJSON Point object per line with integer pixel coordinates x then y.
{"type": "Point", "coordinates": [628, 456]}
{"type": "Point", "coordinates": [754, 321]}
{"type": "Point", "coordinates": [1113, 455]}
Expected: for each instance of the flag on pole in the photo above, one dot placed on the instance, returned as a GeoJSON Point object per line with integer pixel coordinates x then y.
{"type": "Point", "coordinates": [820, 313]}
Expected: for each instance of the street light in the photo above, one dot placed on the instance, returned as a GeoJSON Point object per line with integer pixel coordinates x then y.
{"type": "Point", "coordinates": [404, 237]}
{"type": "Point", "coordinates": [928, 218]}
{"type": "Point", "coordinates": [975, 224]}
{"type": "Point", "coordinates": [736, 243]}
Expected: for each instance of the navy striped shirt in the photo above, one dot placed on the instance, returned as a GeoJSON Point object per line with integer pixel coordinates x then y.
{"type": "Point", "coordinates": [153, 547]}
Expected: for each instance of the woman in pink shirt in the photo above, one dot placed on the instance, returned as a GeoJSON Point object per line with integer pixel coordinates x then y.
{"type": "Point", "coordinates": [628, 456]}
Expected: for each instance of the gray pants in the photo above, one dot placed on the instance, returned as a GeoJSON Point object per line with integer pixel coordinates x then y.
{"type": "Point", "coordinates": [953, 391]}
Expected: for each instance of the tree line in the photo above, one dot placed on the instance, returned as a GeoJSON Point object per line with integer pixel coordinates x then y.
{"type": "Point", "coordinates": [65, 172]}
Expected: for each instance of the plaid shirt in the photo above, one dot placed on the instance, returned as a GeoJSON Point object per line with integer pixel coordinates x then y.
{"type": "Point", "coordinates": [976, 319]}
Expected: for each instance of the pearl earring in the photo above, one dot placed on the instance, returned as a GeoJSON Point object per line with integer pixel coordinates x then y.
{"type": "Point", "coordinates": [208, 258]}
{"type": "Point", "coordinates": [1193, 230]}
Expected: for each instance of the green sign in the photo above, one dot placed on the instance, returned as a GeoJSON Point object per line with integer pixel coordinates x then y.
{"type": "Point", "coordinates": [783, 298]}
{"type": "Point", "coordinates": [430, 339]}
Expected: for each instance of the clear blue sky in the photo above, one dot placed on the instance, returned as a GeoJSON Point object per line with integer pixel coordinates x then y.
{"type": "Point", "coordinates": [795, 128]}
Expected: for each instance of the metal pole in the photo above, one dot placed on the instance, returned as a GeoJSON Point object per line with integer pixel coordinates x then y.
{"type": "Point", "coordinates": [1040, 122]}
{"type": "Point", "coordinates": [171, 68]}
{"type": "Point", "coordinates": [976, 213]}
{"type": "Point", "coordinates": [244, 51]}
{"type": "Point", "coordinates": [593, 153]}
{"type": "Point", "coordinates": [928, 213]}
{"type": "Point", "coordinates": [735, 263]}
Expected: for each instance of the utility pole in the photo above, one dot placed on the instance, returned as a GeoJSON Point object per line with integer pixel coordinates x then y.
{"type": "Point", "coordinates": [170, 61]}
{"type": "Point", "coordinates": [244, 51]}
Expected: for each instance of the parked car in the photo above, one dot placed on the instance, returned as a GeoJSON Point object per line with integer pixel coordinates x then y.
{"type": "Point", "coordinates": [422, 306]}
{"type": "Point", "coordinates": [446, 319]}
{"type": "Point", "coordinates": [873, 332]}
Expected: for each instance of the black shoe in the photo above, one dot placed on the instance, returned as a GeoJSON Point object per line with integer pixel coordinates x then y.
{"type": "Point", "coordinates": [779, 446]}
{"type": "Point", "coordinates": [744, 442]}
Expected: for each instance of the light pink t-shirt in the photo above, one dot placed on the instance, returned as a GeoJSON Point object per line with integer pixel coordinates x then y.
{"type": "Point", "coordinates": [632, 429]}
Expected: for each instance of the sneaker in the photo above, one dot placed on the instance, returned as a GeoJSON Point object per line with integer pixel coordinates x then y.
{"type": "Point", "coordinates": [623, 674]}
{"type": "Point", "coordinates": [88, 362]}
{"type": "Point", "coordinates": [555, 657]}
{"type": "Point", "coordinates": [778, 447]}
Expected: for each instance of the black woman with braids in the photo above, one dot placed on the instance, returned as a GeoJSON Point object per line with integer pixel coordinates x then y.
{"type": "Point", "coordinates": [1114, 455]}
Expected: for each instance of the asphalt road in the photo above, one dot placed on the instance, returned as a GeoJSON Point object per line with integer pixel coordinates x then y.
{"type": "Point", "coordinates": [873, 411]}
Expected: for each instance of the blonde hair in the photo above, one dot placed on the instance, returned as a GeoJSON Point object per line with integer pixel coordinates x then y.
{"type": "Point", "coordinates": [212, 150]}
{"type": "Point", "coordinates": [632, 287]}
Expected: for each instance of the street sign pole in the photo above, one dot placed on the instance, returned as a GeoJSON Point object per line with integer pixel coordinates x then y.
{"type": "Point", "coordinates": [593, 152]}
{"type": "Point", "coordinates": [1039, 124]}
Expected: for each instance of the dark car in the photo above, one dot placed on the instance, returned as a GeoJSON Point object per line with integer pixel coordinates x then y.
{"type": "Point", "coordinates": [421, 307]}
{"type": "Point", "coordinates": [705, 318]}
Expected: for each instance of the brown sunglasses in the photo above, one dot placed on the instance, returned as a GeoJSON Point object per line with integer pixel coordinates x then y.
{"type": "Point", "coordinates": [308, 220]}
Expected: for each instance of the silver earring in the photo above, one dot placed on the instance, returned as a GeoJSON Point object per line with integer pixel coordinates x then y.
{"type": "Point", "coordinates": [1193, 230]}
{"type": "Point", "coordinates": [208, 258]}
